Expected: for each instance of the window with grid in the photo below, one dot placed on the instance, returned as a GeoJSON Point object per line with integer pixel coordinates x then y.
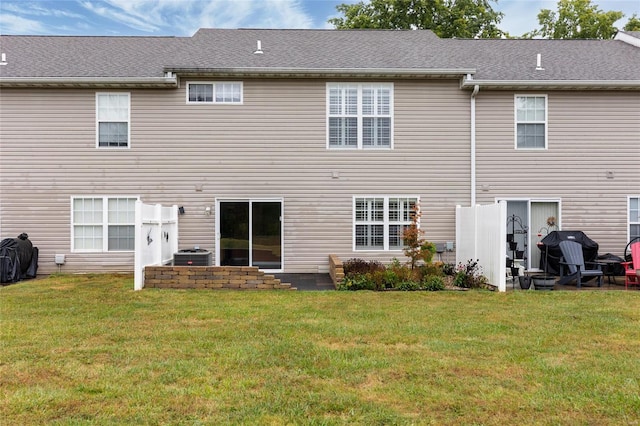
{"type": "Point", "coordinates": [531, 121]}
{"type": "Point", "coordinates": [380, 221]}
{"type": "Point", "coordinates": [359, 116]}
{"type": "Point", "coordinates": [112, 117]}
{"type": "Point", "coordinates": [218, 93]}
{"type": "Point", "coordinates": [103, 224]}
{"type": "Point", "coordinates": [634, 217]}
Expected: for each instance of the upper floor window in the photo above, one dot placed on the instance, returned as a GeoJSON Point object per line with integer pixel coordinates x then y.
{"type": "Point", "coordinates": [112, 118]}
{"type": "Point", "coordinates": [379, 222]}
{"type": "Point", "coordinates": [634, 218]}
{"type": "Point", "coordinates": [531, 121]}
{"type": "Point", "coordinates": [214, 93]}
{"type": "Point", "coordinates": [360, 116]}
{"type": "Point", "coordinates": [103, 224]}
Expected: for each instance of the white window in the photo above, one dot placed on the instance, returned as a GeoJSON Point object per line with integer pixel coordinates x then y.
{"type": "Point", "coordinates": [112, 120]}
{"type": "Point", "coordinates": [634, 217]}
{"type": "Point", "coordinates": [531, 121]}
{"type": "Point", "coordinates": [379, 222]}
{"type": "Point", "coordinates": [103, 224]}
{"type": "Point", "coordinates": [214, 93]}
{"type": "Point", "coordinates": [359, 116]}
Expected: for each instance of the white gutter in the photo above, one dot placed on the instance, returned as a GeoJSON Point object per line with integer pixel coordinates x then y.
{"type": "Point", "coordinates": [323, 72]}
{"type": "Point", "coordinates": [553, 84]}
{"type": "Point", "coordinates": [476, 89]}
{"type": "Point", "coordinates": [170, 81]}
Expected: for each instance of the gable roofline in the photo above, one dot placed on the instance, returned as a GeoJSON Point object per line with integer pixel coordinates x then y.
{"type": "Point", "coordinates": [168, 82]}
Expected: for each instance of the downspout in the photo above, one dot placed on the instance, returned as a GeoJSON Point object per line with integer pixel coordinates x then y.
{"type": "Point", "coordinates": [476, 89]}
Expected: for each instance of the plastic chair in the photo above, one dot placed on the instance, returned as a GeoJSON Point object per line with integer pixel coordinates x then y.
{"type": "Point", "coordinates": [573, 259]}
{"type": "Point", "coordinates": [631, 269]}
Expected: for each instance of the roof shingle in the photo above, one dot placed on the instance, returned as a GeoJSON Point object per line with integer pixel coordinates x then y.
{"type": "Point", "coordinates": [309, 50]}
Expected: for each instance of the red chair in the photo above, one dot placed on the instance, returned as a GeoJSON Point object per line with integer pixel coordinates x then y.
{"type": "Point", "coordinates": [631, 269]}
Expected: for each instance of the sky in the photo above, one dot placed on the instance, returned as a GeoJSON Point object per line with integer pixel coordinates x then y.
{"type": "Point", "coordinates": [184, 17]}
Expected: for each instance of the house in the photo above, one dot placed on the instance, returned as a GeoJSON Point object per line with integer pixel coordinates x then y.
{"type": "Point", "coordinates": [283, 146]}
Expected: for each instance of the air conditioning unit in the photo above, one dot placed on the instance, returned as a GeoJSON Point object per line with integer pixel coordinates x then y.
{"type": "Point", "coordinates": [192, 257]}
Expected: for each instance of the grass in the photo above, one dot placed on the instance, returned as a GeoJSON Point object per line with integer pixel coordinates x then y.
{"type": "Point", "coordinates": [89, 350]}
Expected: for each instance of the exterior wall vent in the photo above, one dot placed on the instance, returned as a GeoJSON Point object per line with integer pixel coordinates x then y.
{"type": "Point", "coordinates": [3, 59]}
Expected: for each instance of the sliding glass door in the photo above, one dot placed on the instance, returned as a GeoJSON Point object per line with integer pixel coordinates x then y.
{"type": "Point", "coordinates": [250, 233]}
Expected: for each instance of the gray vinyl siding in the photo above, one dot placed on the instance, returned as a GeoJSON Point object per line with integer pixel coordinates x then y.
{"type": "Point", "coordinates": [271, 146]}
{"type": "Point", "coordinates": [589, 134]}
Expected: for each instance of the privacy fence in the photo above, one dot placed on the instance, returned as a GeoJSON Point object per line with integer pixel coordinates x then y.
{"type": "Point", "coordinates": [156, 238]}
{"type": "Point", "coordinates": [480, 235]}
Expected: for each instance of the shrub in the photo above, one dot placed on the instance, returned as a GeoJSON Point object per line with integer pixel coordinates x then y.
{"type": "Point", "coordinates": [408, 286]}
{"type": "Point", "coordinates": [449, 269]}
{"type": "Point", "coordinates": [356, 282]}
{"type": "Point", "coordinates": [433, 283]}
{"type": "Point", "coordinates": [402, 272]}
{"type": "Point", "coordinates": [383, 279]}
{"type": "Point", "coordinates": [469, 275]}
{"type": "Point", "coordinates": [360, 267]}
{"type": "Point", "coordinates": [431, 269]}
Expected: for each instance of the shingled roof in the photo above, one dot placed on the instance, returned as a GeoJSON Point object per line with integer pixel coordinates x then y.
{"type": "Point", "coordinates": [376, 53]}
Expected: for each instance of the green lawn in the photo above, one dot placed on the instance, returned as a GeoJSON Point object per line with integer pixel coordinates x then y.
{"type": "Point", "coordinates": [89, 350]}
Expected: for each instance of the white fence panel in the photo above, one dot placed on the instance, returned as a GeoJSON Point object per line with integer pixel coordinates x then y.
{"type": "Point", "coordinates": [156, 238]}
{"type": "Point", "coordinates": [481, 234]}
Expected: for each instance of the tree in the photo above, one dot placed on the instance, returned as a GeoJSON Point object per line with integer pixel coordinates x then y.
{"type": "Point", "coordinates": [576, 19]}
{"type": "Point", "coordinates": [416, 248]}
{"type": "Point", "coordinates": [446, 18]}
{"type": "Point", "coordinates": [633, 24]}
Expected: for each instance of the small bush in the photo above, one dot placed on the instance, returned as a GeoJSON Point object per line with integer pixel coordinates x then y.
{"type": "Point", "coordinates": [431, 269]}
{"type": "Point", "coordinates": [360, 267]}
{"type": "Point", "coordinates": [469, 275]}
{"type": "Point", "coordinates": [356, 282]}
{"type": "Point", "coordinates": [384, 279]}
{"type": "Point", "coordinates": [449, 269]}
{"type": "Point", "coordinates": [433, 283]}
{"type": "Point", "coordinates": [408, 286]}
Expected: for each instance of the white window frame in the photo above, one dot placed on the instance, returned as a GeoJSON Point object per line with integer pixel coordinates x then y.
{"type": "Point", "coordinates": [545, 122]}
{"type": "Point", "coordinates": [215, 86]}
{"type": "Point", "coordinates": [99, 120]}
{"type": "Point", "coordinates": [360, 116]}
{"type": "Point", "coordinates": [104, 223]}
{"type": "Point", "coordinates": [386, 222]}
{"type": "Point", "coordinates": [629, 218]}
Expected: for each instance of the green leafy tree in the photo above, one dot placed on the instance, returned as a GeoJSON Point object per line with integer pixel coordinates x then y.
{"type": "Point", "coordinates": [576, 19]}
{"type": "Point", "coordinates": [446, 18]}
{"type": "Point", "coordinates": [633, 24]}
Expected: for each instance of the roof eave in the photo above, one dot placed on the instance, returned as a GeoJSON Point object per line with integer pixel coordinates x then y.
{"type": "Point", "coordinates": [322, 72]}
{"type": "Point", "coordinates": [92, 82]}
{"type": "Point", "coordinates": [553, 84]}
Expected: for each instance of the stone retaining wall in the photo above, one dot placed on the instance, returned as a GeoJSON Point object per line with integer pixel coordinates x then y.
{"type": "Point", "coordinates": [336, 271]}
{"type": "Point", "coordinates": [212, 277]}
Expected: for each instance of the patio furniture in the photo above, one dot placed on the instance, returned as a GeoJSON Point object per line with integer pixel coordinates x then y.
{"type": "Point", "coordinates": [609, 268]}
{"type": "Point", "coordinates": [573, 260]}
{"type": "Point", "coordinates": [631, 269]}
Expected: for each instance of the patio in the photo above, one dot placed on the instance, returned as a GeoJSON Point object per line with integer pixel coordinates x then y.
{"type": "Point", "coordinates": [616, 283]}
